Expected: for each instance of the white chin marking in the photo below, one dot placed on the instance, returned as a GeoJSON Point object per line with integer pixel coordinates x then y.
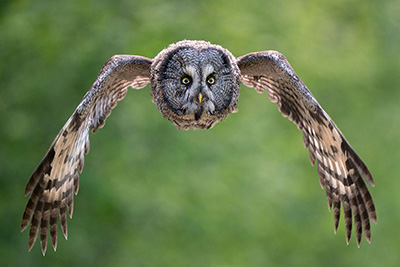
{"type": "Point", "coordinates": [190, 107]}
{"type": "Point", "coordinates": [209, 107]}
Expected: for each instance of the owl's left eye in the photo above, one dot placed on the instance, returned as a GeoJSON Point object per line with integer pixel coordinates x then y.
{"type": "Point", "coordinates": [186, 80]}
{"type": "Point", "coordinates": [210, 80]}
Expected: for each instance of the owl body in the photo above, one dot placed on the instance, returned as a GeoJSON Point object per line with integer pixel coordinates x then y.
{"type": "Point", "coordinates": [196, 84]}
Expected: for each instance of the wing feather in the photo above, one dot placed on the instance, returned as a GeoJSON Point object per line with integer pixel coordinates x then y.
{"type": "Point", "coordinates": [56, 179]}
{"type": "Point", "coordinates": [340, 170]}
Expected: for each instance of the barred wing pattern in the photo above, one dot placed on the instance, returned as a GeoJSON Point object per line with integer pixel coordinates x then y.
{"type": "Point", "coordinates": [52, 184]}
{"type": "Point", "coordinates": [340, 169]}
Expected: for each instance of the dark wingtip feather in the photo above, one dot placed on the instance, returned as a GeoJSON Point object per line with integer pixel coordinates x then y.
{"type": "Point", "coordinates": [70, 205]}
{"type": "Point", "coordinates": [81, 162]}
{"type": "Point", "coordinates": [54, 242]}
{"type": "Point", "coordinates": [347, 218]}
{"type": "Point", "coordinates": [44, 224]}
{"type": "Point", "coordinates": [328, 196]}
{"type": "Point", "coordinates": [32, 237]}
{"type": "Point", "coordinates": [364, 170]}
{"type": "Point", "coordinates": [358, 241]}
{"type": "Point", "coordinates": [54, 224]}
{"type": "Point", "coordinates": [87, 145]}
{"type": "Point", "coordinates": [25, 221]}
{"type": "Point", "coordinates": [53, 234]}
{"type": "Point", "coordinates": [369, 179]}
{"type": "Point", "coordinates": [33, 180]}
{"type": "Point", "coordinates": [368, 236]}
{"type": "Point", "coordinates": [63, 218]}
{"type": "Point", "coordinates": [336, 213]}
{"type": "Point", "coordinates": [30, 244]}
{"type": "Point", "coordinates": [372, 212]}
{"type": "Point", "coordinates": [360, 165]}
{"type": "Point", "coordinates": [349, 226]}
{"type": "Point", "coordinates": [43, 243]}
{"type": "Point", "coordinates": [43, 168]}
{"type": "Point", "coordinates": [76, 183]}
{"type": "Point", "coordinates": [348, 236]}
{"type": "Point", "coordinates": [374, 219]}
{"type": "Point", "coordinates": [358, 238]}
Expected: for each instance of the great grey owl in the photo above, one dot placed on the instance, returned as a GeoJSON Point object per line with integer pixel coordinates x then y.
{"type": "Point", "coordinates": [196, 84]}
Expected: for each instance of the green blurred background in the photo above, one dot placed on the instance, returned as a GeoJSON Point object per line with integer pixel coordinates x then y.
{"type": "Point", "coordinates": [241, 194]}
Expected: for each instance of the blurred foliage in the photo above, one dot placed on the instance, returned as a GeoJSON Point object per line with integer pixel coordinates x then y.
{"type": "Point", "coordinates": [240, 194]}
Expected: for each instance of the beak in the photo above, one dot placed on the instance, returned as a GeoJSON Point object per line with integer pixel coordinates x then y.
{"type": "Point", "coordinates": [200, 97]}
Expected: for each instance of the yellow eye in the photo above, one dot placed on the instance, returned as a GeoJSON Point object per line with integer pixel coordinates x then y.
{"type": "Point", "coordinates": [211, 80]}
{"type": "Point", "coordinates": [186, 80]}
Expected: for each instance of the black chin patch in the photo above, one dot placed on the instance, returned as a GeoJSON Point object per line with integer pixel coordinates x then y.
{"type": "Point", "coordinates": [198, 114]}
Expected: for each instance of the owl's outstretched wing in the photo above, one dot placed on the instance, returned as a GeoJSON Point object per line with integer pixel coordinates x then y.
{"type": "Point", "coordinates": [340, 169]}
{"type": "Point", "coordinates": [57, 176]}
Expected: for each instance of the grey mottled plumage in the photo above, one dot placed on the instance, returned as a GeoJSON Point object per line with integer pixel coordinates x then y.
{"type": "Point", "coordinates": [196, 84]}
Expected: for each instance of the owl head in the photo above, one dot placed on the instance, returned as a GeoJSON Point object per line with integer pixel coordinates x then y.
{"type": "Point", "coordinates": [195, 84]}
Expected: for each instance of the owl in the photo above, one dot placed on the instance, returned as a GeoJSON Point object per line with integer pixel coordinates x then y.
{"type": "Point", "coordinates": [196, 84]}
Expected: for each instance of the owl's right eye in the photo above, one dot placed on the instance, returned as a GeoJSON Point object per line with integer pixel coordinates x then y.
{"type": "Point", "coordinates": [186, 80]}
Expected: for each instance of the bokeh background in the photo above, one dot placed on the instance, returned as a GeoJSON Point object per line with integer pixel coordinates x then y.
{"type": "Point", "coordinates": [241, 194]}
